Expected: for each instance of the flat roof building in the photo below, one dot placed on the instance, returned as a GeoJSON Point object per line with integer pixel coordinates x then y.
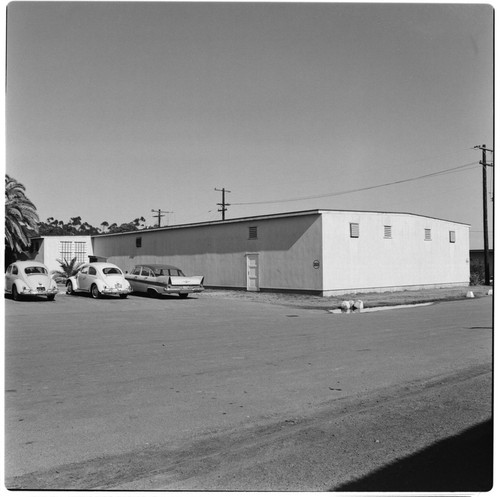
{"type": "Point", "coordinates": [324, 252]}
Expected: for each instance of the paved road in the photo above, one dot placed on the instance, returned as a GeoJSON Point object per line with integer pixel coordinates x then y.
{"type": "Point", "coordinates": [144, 393]}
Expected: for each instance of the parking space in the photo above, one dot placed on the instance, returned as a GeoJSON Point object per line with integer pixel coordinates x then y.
{"type": "Point", "coordinates": [92, 378]}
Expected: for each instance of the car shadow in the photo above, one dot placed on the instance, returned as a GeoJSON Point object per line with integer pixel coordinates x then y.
{"type": "Point", "coordinates": [462, 463]}
{"type": "Point", "coordinates": [31, 298]}
{"type": "Point", "coordinates": [163, 297]}
{"type": "Point", "coordinates": [88, 295]}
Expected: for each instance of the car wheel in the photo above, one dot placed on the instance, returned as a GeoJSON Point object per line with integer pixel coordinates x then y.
{"type": "Point", "coordinates": [69, 288]}
{"type": "Point", "coordinates": [15, 293]}
{"type": "Point", "coordinates": [123, 296]}
{"type": "Point", "coordinates": [94, 291]}
{"type": "Point", "coordinates": [152, 293]}
{"type": "Point", "coordinates": [183, 295]}
{"type": "Point", "coordinates": [51, 297]}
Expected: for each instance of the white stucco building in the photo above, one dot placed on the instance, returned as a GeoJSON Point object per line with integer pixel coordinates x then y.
{"type": "Point", "coordinates": [47, 249]}
{"type": "Point", "coordinates": [326, 252]}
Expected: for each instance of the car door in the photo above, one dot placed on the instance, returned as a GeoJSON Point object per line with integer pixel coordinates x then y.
{"type": "Point", "coordinates": [133, 279]}
{"type": "Point", "coordinates": [145, 279]}
{"type": "Point", "coordinates": [92, 277]}
{"type": "Point", "coordinates": [82, 279]}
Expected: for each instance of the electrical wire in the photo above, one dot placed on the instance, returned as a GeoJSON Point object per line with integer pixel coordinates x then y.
{"type": "Point", "coordinates": [334, 194]}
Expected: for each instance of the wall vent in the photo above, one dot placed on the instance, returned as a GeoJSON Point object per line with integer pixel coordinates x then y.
{"type": "Point", "coordinates": [354, 227]}
{"type": "Point", "coordinates": [452, 237]}
{"type": "Point", "coordinates": [252, 233]}
{"type": "Point", "coordinates": [138, 241]}
{"type": "Point", "coordinates": [387, 231]}
{"type": "Point", "coordinates": [427, 236]}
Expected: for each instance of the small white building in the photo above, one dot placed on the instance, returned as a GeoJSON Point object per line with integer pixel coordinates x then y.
{"type": "Point", "coordinates": [47, 249]}
{"type": "Point", "coordinates": [325, 252]}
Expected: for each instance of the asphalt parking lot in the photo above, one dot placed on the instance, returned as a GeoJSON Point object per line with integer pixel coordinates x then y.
{"type": "Point", "coordinates": [95, 381]}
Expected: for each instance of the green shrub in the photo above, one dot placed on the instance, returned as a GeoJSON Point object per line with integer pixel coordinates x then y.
{"type": "Point", "coordinates": [477, 274]}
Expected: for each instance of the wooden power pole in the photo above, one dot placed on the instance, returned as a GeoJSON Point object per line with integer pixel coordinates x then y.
{"type": "Point", "coordinates": [485, 213]}
{"type": "Point", "coordinates": [223, 204]}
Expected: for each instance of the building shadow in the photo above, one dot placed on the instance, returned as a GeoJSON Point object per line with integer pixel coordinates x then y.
{"type": "Point", "coordinates": [462, 463]}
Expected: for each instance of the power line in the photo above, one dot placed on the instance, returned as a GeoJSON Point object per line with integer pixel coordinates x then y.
{"type": "Point", "coordinates": [334, 194]}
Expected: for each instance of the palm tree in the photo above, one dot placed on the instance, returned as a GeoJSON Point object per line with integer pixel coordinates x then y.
{"type": "Point", "coordinates": [21, 217]}
{"type": "Point", "coordinates": [67, 270]}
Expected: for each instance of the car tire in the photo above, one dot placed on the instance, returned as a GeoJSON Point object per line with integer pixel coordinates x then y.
{"type": "Point", "coordinates": [15, 293]}
{"type": "Point", "coordinates": [69, 288]}
{"type": "Point", "coordinates": [183, 295]}
{"type": "Point", "coordinates": [153, 293]}
{"type": "Point", "coordinates": [51, 297]}
{"type": "Point", "coordinates": [123, 296]}
{"type": "Point", "coordinates": [94, 291]}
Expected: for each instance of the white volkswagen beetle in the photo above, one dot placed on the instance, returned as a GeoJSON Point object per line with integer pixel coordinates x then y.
{"type": "Point", "coordinates": [29, 278]}
{"type": "Point", "coordinates": [98, 279]}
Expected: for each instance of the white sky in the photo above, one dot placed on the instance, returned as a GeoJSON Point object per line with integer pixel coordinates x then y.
{"type": "Point", "coordinates": [115, 109]}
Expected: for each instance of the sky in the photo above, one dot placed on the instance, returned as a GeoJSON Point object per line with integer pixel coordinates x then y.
{"type": "Point", "coordinates": [117, 109]}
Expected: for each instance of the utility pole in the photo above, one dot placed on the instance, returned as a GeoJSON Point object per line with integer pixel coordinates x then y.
{"type": "Point", "coordinates": [223, 204]}
{"type": "Point", "coordinates": [485, 213]}
{"type": "Point", "coordinates": [160, 214]}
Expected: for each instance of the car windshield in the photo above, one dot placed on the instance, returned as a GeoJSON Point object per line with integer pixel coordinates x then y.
{"type": "Point", "coordinates": [35, 270]}
{"type": "Point", "coordinates": [111, 270]}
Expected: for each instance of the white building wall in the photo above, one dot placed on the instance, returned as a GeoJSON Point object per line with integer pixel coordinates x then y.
{"type": "Point", "coordinates": [50, 249]}
{"type": "Point", "coordinates": [406, 260]}
{"type": "Point", "coordinates": [287, 247]}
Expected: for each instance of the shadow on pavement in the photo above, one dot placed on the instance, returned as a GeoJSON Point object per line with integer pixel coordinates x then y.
{"type": "Point", "coordinates": [457, 464]}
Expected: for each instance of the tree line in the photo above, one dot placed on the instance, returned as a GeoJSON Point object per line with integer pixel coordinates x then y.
{"type": "Point", "coordinates": [75, 226]}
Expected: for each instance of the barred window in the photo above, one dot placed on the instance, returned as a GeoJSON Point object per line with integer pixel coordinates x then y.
{"type": "Point", "coordinates": [66, 251]}
{"type": "Point", "coordinates": [354, 230]}
{"type": "Point", "coordinates": [80, 251]}
{"type": "Point", "coordinates": [452, 237]}
{"type": "Point", "coordinates": [252, 232]}
{"type": "Point", "coordinates": [427, 236]}
{"type": "Point", "coordinates": [387, 231]}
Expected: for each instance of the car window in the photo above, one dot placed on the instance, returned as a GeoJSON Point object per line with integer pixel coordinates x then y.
{"type": "Point", "coordinates": [111, 270]}
{"type": "Point", "coordinates": [146, 272]}
{"type": "Point", "coordinates": [84, 270]}
{"type": "Point", "coordinates": [137, 270]}
{"type": "Point", "coordinates": [92, 270]}
{"type": "Point", "coordinates": [159, 271]}
{"type": "Point", "coordinates": [176, 272]}
{"type": "Point", "coordinates": [9, 270]}
{"type": "Point", "coordinates": [14, 270]}
{"type": "Point", "coordinates": [35, 270]}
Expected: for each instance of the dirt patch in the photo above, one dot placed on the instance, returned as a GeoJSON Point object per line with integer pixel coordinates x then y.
{"type": "Point", "coordinates": [373, 299]}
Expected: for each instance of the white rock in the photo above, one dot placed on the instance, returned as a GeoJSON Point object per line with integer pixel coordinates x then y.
{"type": "Point", "coordinates": [470, 295]}
{"type": "Point", "coordinates": [359, 304]}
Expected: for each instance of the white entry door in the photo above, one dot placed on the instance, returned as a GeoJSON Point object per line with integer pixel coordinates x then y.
{"type": "Point", "coordinates": [252, 272]}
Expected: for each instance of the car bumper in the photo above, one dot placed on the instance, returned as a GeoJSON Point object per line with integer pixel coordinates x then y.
{"type": "Point", "coordinates": [43, 293]}
{"type": "Point", "coordinates": [116, 291]}
{"type": "Point", "coordinates": [183, 289]}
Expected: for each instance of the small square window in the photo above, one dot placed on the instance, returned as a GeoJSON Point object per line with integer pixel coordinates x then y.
{"type": "Point", "coordinates": [354, 227]}
{"type": "Point", "coordinates": [138, 241]}
{"type": "Point", "coordinates": [452, 237]}
{"type": "Point", "coordinates": [427, 236]}
{"type": "Point", "coordinates": [252, 233]}
{"type": "Point", "coordinates": [387, 231]}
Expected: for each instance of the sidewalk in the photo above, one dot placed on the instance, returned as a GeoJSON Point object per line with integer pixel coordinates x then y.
{"type": "Point", "coordinates": [373, 299]}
